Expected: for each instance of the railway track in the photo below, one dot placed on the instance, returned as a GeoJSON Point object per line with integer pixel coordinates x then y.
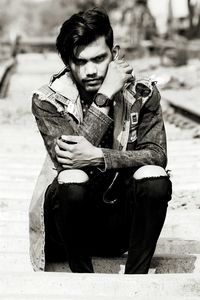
{"type": "Point", "coordinates": [21, 157]}
{"type": "Point", "coordinates": [183, 132]}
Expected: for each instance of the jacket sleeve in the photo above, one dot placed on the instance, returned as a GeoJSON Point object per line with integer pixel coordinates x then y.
{"type": "Point", "coordinates": [150, 147]}
{"type": "Point", "coordinates": [52, 124]}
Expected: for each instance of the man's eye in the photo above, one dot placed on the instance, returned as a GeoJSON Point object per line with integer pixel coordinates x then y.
{"type": "Point", "coordinates": [99, 59]}
{"type": "Point", "coordinates": [79, 62]}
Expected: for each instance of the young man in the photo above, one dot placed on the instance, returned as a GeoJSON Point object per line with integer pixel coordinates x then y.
{"type": "Point", "coordinates": [103, 189]}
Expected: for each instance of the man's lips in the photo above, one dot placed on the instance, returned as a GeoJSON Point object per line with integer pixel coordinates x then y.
{"type": "Point", "coordinates": [93, 81]}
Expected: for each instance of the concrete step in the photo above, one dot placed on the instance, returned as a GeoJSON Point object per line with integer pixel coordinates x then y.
{"type": "Point", "coordinates": [17, 259]}
{"type": "Point", "coordinates": [162, 264]}
{"type": "Point", "coordinates": [99, 286]}
{"type": "Point", "coordinates": [177, 249]}
{"type": "Point", "coordinates": [20, 262]}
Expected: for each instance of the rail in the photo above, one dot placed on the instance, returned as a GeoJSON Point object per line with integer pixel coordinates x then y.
{"type": "Point", "coordinates": [8, 62]}
{"type": "Point", "coordinates": [188, 108]}
{"type": "Point", "coordinates": [6, 69]}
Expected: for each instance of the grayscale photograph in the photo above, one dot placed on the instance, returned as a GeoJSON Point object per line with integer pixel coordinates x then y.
{"type": "Point", "coordinates": [100, 149]}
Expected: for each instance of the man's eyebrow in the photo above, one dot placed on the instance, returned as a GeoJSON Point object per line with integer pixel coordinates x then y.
{"type": "Point", "coordinates": [79, 58]}
{"type": "Point", "coordinates": [84, 59]}
{"type": "Point", "coordinates": [100, 55]}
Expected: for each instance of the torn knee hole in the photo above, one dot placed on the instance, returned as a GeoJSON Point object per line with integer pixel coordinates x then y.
{"type": "Point", "coordinates": [149, 171]}
{"type": "Point", "coordinates": [72, 176]}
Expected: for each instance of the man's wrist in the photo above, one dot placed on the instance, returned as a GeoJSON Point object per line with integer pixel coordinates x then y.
{"type": "Point", "coordinates": [107, 92]}
{"type": "Point", "coordinates": [102, 100]}
{"type": "Point", "coordinates": [98, 160]}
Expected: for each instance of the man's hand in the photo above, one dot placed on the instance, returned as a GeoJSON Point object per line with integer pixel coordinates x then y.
{"type": "Point", "coordinates": [118, 73]}
{"type": "Point", "coordinates": [75, 152]}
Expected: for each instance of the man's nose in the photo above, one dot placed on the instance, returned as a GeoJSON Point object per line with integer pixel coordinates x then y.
{"type": "Point", "coordinates": [90, 69]}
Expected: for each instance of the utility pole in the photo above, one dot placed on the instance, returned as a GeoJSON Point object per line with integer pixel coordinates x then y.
{"type": "Point", "coordinates": [170, 20]}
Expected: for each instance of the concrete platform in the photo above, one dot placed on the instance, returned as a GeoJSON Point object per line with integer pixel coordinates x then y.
{"type": "Point", "coordinates": [98, 286]}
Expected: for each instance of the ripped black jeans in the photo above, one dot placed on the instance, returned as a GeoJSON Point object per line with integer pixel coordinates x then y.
{"type": "Point", "coordinates": [79, 224]}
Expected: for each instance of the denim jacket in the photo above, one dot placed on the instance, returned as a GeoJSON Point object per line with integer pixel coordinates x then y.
{"type": "Point", "coordinates": [139, 137]}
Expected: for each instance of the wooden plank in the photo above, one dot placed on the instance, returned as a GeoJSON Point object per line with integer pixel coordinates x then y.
{"type": "Point", "coordinates": [14, 216]}
{"type": "Point", "coordinates": [19, 166]}
{"type": "Point", "coordinates": [15, 262]}
{"type": "Point", "coordinates": [17, 184]}
{"type": "Point", "coordinates": [87, 297]}
{"type": "Point", "coordinates": [180, 188]}
{"type": "Point", "coordinates": [16, 194]}
{"type": "Point", "coordinates": [14, 228]}
{"type": "Point", "coordinates": [15, 178]}
{"type": "Point", "coordinates": [20, 172]}
{"type": "Point", "coordinates": [182, 224]}
{"type": "Point", "coordinates": [14, 244]}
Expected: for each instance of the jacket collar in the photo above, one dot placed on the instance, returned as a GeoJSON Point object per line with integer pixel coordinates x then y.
{"type": "Point", "coordinates": [63, 83]}
{"type": "Point", "coordinates": [67, 93]}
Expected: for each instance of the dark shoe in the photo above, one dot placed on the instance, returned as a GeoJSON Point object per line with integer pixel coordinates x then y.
{"type": "Point", "coordinates": [81, 264]}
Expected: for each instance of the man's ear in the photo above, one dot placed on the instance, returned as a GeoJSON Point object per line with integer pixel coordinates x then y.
{"type": "Point", "coordinates": [115, 52]}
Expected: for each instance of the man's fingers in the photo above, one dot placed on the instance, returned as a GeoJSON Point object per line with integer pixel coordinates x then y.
{"type": "Point", "coordinates": [64, 161]}
{"type": "Point", "coordinates": [71, 138]}
{"type": "Point", "coordinates": [57, 149]}
{"type": "Point", "coordinates": [129, 77]}
{"type": "Point", "coordinates": [67, 167]}
{"type": "Point", "coordinates": [62, 153]}
{"type": "Point", "coordinates": [125, 64]}
{"type": "Point", "coordinates": [120, 56]}
{"type": "Point", "coordinates": [122, 63]}
{"type": "Point", "coordinates": [119, 61]}
{"type": "Point", "coordinates": [128, 70]}
{"type": "Point", "coordinates": [64, 145]}
{"type": "Point", "coordinates": [125, 67]}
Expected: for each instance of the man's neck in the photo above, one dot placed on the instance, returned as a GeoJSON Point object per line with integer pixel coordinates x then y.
{"type": "Point", "coordinates": [86, 96]}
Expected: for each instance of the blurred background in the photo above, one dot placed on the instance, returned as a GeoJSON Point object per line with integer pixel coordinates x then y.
{"type": "Point", "coordinates": [141, 26]}
{"type": "Point", "coordinates": [160, 39]}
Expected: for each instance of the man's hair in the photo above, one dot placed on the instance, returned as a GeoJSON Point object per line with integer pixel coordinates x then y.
{"type": "Point", "coordinates": [82, 29]}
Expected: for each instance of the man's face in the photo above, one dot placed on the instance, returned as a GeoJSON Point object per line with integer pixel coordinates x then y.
{"type": "Point", "coordinates": [90, 65]}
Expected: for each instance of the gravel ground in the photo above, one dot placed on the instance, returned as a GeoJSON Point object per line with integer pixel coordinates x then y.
{"type": "Point", "coordinates": [185, 200]}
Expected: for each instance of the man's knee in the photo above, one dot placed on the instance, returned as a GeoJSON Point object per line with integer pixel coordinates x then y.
{"type": "Point", "coordinates": [71, 187]}
{"type": "Point", "coordinates": [149, 171]}
{"type": "Point", "coordinates": [72, 176]}
{"type": "Point", "coordinates": [154, 182]}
